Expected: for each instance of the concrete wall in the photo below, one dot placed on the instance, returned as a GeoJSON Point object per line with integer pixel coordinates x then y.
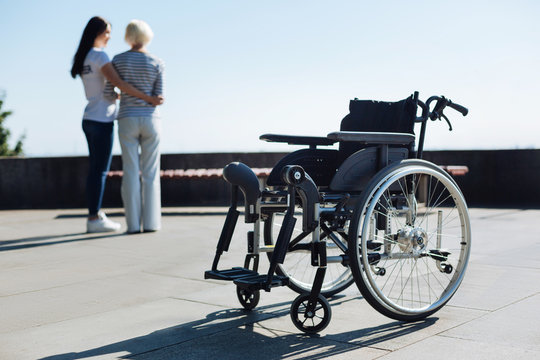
{"type": "Point", "coordinates": [501, 178]}
{"type": "Point", "coordinates": [59, 182]}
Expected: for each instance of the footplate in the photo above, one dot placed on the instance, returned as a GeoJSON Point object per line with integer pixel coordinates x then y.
{"type": "Point", "coordinates": [260, 282]}
{"type": "Point", "coordinates": [230, 274]}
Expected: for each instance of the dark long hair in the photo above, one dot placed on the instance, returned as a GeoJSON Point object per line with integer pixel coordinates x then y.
{"type": "Point", "coordinates": [95, 27]}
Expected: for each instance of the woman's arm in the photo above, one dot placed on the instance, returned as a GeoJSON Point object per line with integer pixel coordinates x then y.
{"type": "Point", "coordinates": [109, 92]}
{"type": "Point", "coordinates": [112, 76]}
{"type": "Point", "coordinates": [158, 84]}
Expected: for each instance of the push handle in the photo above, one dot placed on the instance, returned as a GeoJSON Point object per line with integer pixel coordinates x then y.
{"type": "Point", "coordinates": [462, 109]}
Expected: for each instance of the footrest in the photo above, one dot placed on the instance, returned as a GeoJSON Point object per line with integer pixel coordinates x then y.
{"type": "Point", "coordinates": [258, 282]}
{"type": "Point", "coordinates": [374, 245]}
{"type": "Point", "coordinates": [439, 254]}
{"type": "Point", "coordinates": [230, 274]}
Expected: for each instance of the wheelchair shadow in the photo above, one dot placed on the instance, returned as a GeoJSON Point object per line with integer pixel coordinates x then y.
{"type": "Point", "coordinates": [236, 333]}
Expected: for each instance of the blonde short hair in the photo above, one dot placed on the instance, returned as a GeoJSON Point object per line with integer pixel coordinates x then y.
{"type": "Point", "coordinates": [138, 33]}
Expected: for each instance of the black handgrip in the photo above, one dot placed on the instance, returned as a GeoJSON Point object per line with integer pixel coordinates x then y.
{"type": "Point", "coordinates": [462, 109]}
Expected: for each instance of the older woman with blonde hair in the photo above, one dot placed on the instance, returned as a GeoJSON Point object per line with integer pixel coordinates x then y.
{"type": "Point", "coordinates": [139, 128]}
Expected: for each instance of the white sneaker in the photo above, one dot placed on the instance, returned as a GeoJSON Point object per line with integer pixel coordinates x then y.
{"type": "Point", "coordinates": [102, 224]}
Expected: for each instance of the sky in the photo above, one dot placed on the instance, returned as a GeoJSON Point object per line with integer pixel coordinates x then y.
{"type": "Point", "coordinates": [236, 69]}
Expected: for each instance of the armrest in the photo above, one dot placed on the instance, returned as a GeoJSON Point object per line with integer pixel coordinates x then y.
{"type": "Point", "coordinates": [372, 137]}
{"type": "Point", "coordinates": [298, 140]}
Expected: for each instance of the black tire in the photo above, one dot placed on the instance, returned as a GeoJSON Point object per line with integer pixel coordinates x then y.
{"type": "Point", "coordinates": [310, 322]}
{"type": "Point", "coordinates": [411, 255]}
{"type": "Point", "coordinates": [248, 298]}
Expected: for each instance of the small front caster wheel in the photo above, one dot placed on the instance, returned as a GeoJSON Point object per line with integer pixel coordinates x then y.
{"type": "Point", "coordinates": [248, 298]}
{"type": "Point", "coordinates": [448, 268]}
{"type": "Point", "coordinates": [308, 317]}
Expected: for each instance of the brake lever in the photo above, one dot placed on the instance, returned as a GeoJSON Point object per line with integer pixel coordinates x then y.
{"type": "Point", "coordinates": [447, 121]}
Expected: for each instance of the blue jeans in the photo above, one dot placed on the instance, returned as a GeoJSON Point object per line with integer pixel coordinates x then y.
{"type": "Point", "coordinates": [100, 138]}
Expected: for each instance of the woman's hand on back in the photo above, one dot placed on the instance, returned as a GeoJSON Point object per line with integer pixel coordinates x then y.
{"type": "Point", "coordinates": [157, 100]}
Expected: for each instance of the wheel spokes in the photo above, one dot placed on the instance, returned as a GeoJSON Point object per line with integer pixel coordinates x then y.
{"type": "Point", "coordinates": [413, 279]}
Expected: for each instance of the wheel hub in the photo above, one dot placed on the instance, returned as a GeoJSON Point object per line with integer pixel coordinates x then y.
{"type": "Point", "coordinates": [412, 240]}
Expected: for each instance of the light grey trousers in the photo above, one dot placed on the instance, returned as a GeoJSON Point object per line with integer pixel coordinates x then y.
{"type": "Point", "coordinates": [141, 188]}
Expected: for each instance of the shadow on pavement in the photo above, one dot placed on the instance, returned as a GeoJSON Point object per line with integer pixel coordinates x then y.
{"type": "Point", "coordinates": [163, 213]}
{"type": "Point", "coordinates": [36, 241]}
{"type": "Point", "coordinates": [84, 216]}
{"type": "Point", "coordinates": [236, 334]}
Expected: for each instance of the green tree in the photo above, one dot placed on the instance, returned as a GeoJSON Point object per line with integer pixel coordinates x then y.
{"type": "Point", "coordinates": [5, 134]}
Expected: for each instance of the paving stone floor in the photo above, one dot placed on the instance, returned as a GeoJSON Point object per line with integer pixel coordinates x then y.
{"type": "Point", "coordinates": [65, 294]}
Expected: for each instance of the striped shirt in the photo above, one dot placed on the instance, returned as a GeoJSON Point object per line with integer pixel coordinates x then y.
{"type": "Point", "coordinates": [145, 72]}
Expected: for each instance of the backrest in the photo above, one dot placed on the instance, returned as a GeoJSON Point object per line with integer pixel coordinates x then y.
{"type": "Point", "coordinates": [378, 116]}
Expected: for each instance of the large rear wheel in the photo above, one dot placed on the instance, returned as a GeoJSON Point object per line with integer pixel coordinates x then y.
{"type": "Point", "coordinates": [410, 240]}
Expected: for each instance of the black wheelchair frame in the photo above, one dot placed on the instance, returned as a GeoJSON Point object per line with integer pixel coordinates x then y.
{"type": "Point", "coordinates": [373, 212]}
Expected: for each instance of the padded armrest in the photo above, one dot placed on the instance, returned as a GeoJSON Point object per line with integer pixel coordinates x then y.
{"type": "Point", "coordinates": [372, 137]}
{"type": "Point", "coordinates": [298, 140]}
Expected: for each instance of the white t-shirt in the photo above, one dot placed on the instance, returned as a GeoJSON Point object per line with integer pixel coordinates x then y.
{"type": "Point", "coordinates": [98, 108]}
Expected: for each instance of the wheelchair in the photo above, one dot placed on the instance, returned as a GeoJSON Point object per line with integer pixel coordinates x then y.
{"type": "Point", "coordinates": [370, 212]}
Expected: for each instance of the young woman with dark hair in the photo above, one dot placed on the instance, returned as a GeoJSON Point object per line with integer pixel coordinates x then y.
{"type": "Point", "coordinates": [92, 64]}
